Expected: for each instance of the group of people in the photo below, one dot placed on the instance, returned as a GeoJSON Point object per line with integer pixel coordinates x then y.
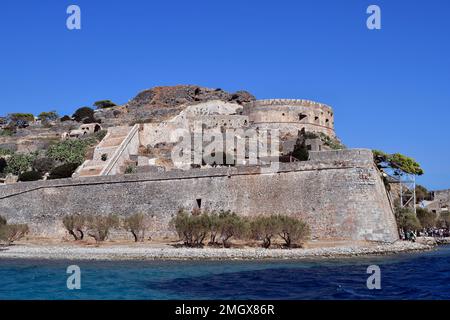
{"type": "Point", "coordinates": [435, 232]}
{"type": "Point", "coordinates": [429, 232]}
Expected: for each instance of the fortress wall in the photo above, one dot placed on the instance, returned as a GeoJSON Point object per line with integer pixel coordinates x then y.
{"type": "Point", "coordinates": [291, 115]}
{"type": "Point", "coordinates": [344, 200]}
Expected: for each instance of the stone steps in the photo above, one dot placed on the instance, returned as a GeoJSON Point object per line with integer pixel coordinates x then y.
{"type": "Point", "coordinates": [108, 146]}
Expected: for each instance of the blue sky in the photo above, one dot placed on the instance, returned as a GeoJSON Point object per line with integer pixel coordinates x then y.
{"type": "Point", "coordinates": [389, 87]}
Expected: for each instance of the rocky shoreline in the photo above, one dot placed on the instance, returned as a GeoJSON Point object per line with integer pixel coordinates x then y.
{"type": "Point", "coordinates": [55, 252]}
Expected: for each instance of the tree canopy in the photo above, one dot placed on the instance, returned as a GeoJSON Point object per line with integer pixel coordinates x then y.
{"type": "Point", "coordinates": [397, 162]}
{"type": "Point", "coordinates": [103, 104]}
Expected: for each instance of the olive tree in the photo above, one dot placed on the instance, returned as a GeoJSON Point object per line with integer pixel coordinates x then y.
{"type": "Point", "coordinates": [75, 224]}
{"type": "Point", "coordinates": [137, 224]}
{"type": "Point", "coordinates": [98, 227]}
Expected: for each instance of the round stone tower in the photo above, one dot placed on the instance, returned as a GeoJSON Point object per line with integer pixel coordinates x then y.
{"type": "Point", "coordinates": [291, 115]}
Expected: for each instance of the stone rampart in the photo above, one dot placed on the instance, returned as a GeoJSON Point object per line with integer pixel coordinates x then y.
{"type": "Point", "coordinates": [339, 198]}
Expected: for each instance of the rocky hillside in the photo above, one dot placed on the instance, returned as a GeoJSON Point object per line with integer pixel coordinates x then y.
{"type": "Point", "coordinates": [152, 105]}
{"type": "Point", "coordinates": [161, 103]}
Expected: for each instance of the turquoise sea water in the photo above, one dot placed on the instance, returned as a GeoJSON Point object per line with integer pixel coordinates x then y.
{"type": "Point", "coordinates": [423, 275]}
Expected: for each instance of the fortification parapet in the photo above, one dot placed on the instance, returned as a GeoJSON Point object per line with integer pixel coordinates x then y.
{"type": "Point", "coordinates": [291, 115]}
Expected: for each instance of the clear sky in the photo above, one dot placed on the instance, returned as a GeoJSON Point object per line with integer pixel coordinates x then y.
{"type": "Point", "coordinates": [389, 88]}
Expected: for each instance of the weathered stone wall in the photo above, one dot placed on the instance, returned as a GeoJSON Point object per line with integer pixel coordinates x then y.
{"type": "Point", "coordinates": [342, 199]}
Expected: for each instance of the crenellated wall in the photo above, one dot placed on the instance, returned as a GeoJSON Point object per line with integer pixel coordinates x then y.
{"type": "Point", "coordinates": [341, 197]}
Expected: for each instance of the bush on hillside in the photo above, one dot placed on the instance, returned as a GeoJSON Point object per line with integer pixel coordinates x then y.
{"type": "Point", "coordinates": [84, 114]}
{"type": "Point", "coordinates": [30, 176]}
{"type": "Point", "coordinates": [18, 163]}
{"type": "Point", "coordinates": [63, 171]}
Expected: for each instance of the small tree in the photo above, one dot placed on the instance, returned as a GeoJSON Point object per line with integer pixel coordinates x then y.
{"type": "Point", "coordinates": [103, 104]}
{"type": "Point", "coordinates": [406, 219]}
{"type": "Point", "coordinates": [426, 218]}
{"type": "Point", "coordinates": [264, 228]}
{"type": "Point", "coordinates": [63, 171]}
{"type": "Point", "coordinates": [231, 225]}
{"type": "Point", "coordinates": [84, 114]}
{"type": "Point", "coordinates": [13, 232]}
{"type": "Point", "coordinates": [399, 163]}
{"type": "Point", "coordinates": [43, 164]}
{"type": "Point", "coordinates": [19, 163]}
{"type": "Point", "coordinates": [191, 228]}
{"type": "Point", "coordinates": [292, 230]}
{"type": "Point", "coordinates": [444, 218]}
{"type": "Point", "coordinates": [48, 116]}
{"type": "Point", "coordinates": [136, 224]}
{"type": "Point", "coordinates": [30, 176]}
{"type": "Point", "coordinates": [75, 224]}
{"type": "Point", "coordinates": [100, 226]}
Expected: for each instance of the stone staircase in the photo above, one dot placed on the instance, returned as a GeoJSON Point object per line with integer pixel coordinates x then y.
{"type": "Point", "coordinates": [108, 148]}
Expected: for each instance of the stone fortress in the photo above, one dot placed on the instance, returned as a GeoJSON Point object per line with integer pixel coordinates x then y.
{"type": "Point", "coordinates": [339, 193]}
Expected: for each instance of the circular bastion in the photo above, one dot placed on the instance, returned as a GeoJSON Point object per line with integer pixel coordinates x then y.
{"type": "Point", "coordinates": [291, 115]}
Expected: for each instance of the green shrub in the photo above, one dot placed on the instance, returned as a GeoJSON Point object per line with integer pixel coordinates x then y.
{"type": "Point", "coordinates": [103, 104]}
{"type": "Point", "coordinates": [69, 151]}
{"type": "Point", "coordinates": [231, 225]}
{"type": "Point", "coordinates": [137, 225]}
{"type": "Point", "coordinates": [63, 171]}
{"type": "Point", "coordinates": [14, 117]}
{"type": "Point", "coordinates": [2, 221]}
{"type": "Point", "coordinates": [84, 114]}
{"type": "Point", "coordinates": [191, 228]}
{"type": "Point", "coordinates": [3, 165]}
{"type": "Point", "coordinates": [100, 226]}
{"type": "Point", "coordinates": [65, 118]}
{"type": "Point", "coordinates": [426, 218]}
{"type": "Point", "coordinates": [406, 219]}
{"type": "Point", "coordinates": [5, 152]}
{"type": "Point", "coordinates": [75, 224]}
{"type": "Point", "coordinates": [48, 116]}
{"type": "Point", "coordinates": [18, 163]}
{"type": "Point", "coordinates": [13, 232]}
{"type": "Point", "coordinates": [292, 230]}
{"type": "Point", "coordinates": [99, 135]}
{"type": "Point", "coordinates": [300, 152]}
{"type": "Point", "coordinates": [43, 164]}
{"type": "Point", "coordinates": [130, 169]}
{"type": "Point", "coordinates": [30, 176]}
{"type": "Point", "coordinates": [264, 228]}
